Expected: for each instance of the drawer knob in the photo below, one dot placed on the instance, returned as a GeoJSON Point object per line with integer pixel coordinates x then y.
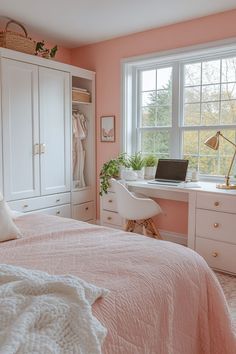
{"type": "Point", "coordinates": [214, 254]}
{"type": "Point", "coordinates": [217, 203]}
{"type": "Point", "coordinates": [109, 218]}
{"type": "Point", "coordinates": [58, 200]}
{"type": "Point", "coordinates": [110, 201]}
{"type": "Point", "coordinates": [25, 206]}
{"type": "Point", "coordinates": [58, 212]}
{"type": "Point", "coordinates": [87, 208]}
{"type": "Point", "coordinates": [216, 224]}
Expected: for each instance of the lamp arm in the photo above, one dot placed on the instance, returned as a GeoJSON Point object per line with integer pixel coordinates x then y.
{"type": "Point", "coordinates": [227, 139]}
{"type": "Point", "coordinates": [230, 168]}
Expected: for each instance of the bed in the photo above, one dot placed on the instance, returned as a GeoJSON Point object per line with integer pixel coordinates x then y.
{"type": "Point", "coordinates": [163, 297]}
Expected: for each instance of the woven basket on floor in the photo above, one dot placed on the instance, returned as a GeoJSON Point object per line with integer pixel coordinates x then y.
{"type": "Point", "coordinates": [16, 41]}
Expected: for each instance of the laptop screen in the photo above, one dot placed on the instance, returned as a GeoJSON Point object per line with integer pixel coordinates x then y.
{"type": "Point", "coordinates": [171, 169]}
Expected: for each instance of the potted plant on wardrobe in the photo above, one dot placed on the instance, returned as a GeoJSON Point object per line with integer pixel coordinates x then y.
{"type": "Point", "coordinates": [136, 161]}
{"type": "Point", "coordinates": [150, 163]}
{"type": "Point", "coordinates": [111, 169]}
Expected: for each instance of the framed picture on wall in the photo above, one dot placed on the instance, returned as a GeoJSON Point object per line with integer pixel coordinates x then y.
{"type": "Point", "coordinates": [108, 129]}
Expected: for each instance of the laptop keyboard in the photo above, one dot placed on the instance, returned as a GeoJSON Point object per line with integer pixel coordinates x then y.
{"type": "Point", "coordinates": [165, 182]}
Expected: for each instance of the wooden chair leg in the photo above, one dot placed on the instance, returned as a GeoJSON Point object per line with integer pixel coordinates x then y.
{"type": "Point", "coordinates": [156, 233]}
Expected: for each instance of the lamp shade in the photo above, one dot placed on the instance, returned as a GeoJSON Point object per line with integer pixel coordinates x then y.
{"type": "Point", "coordinates": [213, 141]}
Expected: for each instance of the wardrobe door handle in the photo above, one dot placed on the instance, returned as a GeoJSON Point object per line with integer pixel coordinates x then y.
{"type": "Point", "coordinates": [58, 212]}
{"type": "Point", "coordinates": [36, 149]}
{"type": "Point", "coordinates": [42, 148]}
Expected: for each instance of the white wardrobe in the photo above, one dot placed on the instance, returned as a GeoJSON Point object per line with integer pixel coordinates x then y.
{"type": "Point", "coordinates": [36, 135]}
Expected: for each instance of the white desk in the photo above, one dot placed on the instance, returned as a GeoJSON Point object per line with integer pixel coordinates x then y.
{"type": "Point", "coordinates": [211, 218]}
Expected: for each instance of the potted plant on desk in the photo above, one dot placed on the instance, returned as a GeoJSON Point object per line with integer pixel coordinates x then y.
{"type": "Point", "coordinates": [136, 161]}
{"type": "Point", "coordinates": [150, 163]}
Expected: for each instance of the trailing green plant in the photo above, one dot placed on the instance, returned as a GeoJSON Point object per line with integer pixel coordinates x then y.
{"type": "Point", "coordinates": [111, 169]}
{"type": "Point", "coordinates": [136, 161]}
{"type": "Point", "coordinates": [150, 161]}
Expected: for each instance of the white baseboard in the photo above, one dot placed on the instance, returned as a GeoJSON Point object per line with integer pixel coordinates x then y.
{"type": "Point", "coordinates": [166, 235]}
{"type": "Point", "coordinates": [174, 237]}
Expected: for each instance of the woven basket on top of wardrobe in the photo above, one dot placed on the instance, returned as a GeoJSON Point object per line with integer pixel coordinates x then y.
{"type": "Point", "coordinates": [17, 41]}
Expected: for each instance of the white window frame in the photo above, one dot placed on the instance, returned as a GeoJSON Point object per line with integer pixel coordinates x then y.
{"type": "Point", "coordinates": [129, 85]}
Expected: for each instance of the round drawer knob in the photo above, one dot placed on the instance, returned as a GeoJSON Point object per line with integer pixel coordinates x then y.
{"type": "Point", "coordinates": [58, 212]}
{"type": "Point", "coordinates": [214, 254]}
{"type": "Point", "coordinates": [25, 206]}
{"type": "Point", "coordinates": [86, 208]}
{"type": "Point", "coordinates": [216, 224]}
{"type": "Point", "coordinates": [217, 203]}
{"type": "Point", "coordinates": [58, 200]}
{"type": "Point", "coordinates": [110, 201]}
{"type": "Point", "coordinates": [109, 218]}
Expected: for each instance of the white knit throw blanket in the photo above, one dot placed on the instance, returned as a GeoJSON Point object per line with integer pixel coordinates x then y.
{"type": "Point", "coordinates": [47, 314]}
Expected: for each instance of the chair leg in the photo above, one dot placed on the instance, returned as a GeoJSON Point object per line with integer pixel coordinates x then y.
{"type": "Point", "coordinates": [156, 233]}
{"type": "Point", "coordinates": [129, 225]}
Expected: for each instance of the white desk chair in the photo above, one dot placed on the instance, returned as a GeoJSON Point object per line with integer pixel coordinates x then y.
{"type": "Point", "coordinates": [136, 210]}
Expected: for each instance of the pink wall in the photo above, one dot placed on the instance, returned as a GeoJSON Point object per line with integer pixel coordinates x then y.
{"type": "Point", "coordinates": [105, 58]}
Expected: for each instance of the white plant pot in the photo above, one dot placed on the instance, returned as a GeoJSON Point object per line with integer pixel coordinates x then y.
{"type": "Point", "coordinates": [150, 172]}
{"type": "Point", "coordinates": [128, 174]}
{"type": "Point", "coordinates": [140, 173]}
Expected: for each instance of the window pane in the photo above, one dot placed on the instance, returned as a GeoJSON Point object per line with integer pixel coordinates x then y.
{"type": "Point", "coordinates": [148, 80]}
{"type": "Point", "coordinates": [192, 114]}
{"type": "Point", "coordinates": [190, 143]}
{"type": "Point", "coordinates": [210, 113]}
{"type": "Point", "coordinates": [192, 74]}
{"type": "Point", "coordinates": [164, 116]}
{"type": "Point", "coordinates": [149, 98]}
{"type": "Point", "coordinates": [229, 70]}
{"type": "Point", "coordinates": [192, 94]}
{"type": "Point", "coordinates": [208, 165]}
{"type": "Point", "coordinates": [224, 165]}
{"type": "Point", "coordinates": [148, 117]}
{"type": "Point", "coordinates": [211, 72]}
{"type": "Point", "coordinates": [164, 97]}
{"type": "Point", "coordinates": [156, 142]}
{"type": "Point", "coordinates": [193, 162]}
{"type": "Point", "coordinates": [164, 78]}
{"type": "Point", "coordinates": [228, 112]}
{"type": "Point", "coordinates": [210, 93]}
{"type": "Point", "coordinates": [228, 91]}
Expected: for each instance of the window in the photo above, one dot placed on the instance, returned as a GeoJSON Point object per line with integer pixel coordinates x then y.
{"type": "Point", "coordinates": [172, 104]}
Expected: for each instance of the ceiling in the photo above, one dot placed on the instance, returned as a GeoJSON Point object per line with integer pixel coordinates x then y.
{"type": "Point", "coordinates": [74, 23]}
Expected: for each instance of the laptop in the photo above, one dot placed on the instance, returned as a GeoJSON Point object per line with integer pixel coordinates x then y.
{"type": "Point", "coordinates": [170, 172]}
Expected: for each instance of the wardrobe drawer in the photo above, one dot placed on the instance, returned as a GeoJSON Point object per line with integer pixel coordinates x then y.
{"type": "Point", "coordinates": [82, 196]}
{"type": "Point", "coordinates": [218, 255]}
{"type": "Point", "coordinates": [216, 202]}
{"type": "Point", "coordinates": [63, 210]}
{"type": "Point", "coordinates": [216, 225]}
{"type": "Point", "coordinates": [110, 217]}
{"type": "Point", "coordinates": [109, 202]}
{"type": "Point", "coordinates": [25, 205]}
{"type": "Point", "coordinates": [84, 211]}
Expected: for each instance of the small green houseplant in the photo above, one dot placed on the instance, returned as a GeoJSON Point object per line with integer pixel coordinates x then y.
{"type": "Point", "coordinates": [111, 169]}
{"type": "Point", "coordinates": [137, 162]}
{"type": "Point", "coordinates": [150, 163]}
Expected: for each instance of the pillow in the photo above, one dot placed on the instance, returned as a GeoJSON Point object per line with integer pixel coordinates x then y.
{"type": "Point", "coordinates": [8, 230]}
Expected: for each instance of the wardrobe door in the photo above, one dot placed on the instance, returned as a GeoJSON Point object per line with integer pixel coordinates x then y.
{"type": "Point", "coordinates": [54, 130]}
{"type": "Point", "coordinates": [20, 129]}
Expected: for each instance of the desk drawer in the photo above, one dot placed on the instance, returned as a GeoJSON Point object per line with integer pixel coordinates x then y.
{"type": "Point", "coordinates": [84, 212]}
{"type": "Point", "coordinates": [218, 255]}
{"type": "Point", "coordinates": [216, 225]}
{"type": "Point", "coordinates": [112, 218]}
{"type": "Point", "coordinates": [216, 202]}
{"type": "Point", "coordinates": [109, 202]}
{"type": "Point", "coordinates": [25, 205]}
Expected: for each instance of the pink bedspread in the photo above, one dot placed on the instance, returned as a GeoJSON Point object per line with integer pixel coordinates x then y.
{"type": "Point", "coordinates": [164, 299]}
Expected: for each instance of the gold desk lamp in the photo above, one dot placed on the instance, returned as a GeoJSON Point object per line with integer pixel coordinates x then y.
{"type": "Point", "coordinates": [213, 143]}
